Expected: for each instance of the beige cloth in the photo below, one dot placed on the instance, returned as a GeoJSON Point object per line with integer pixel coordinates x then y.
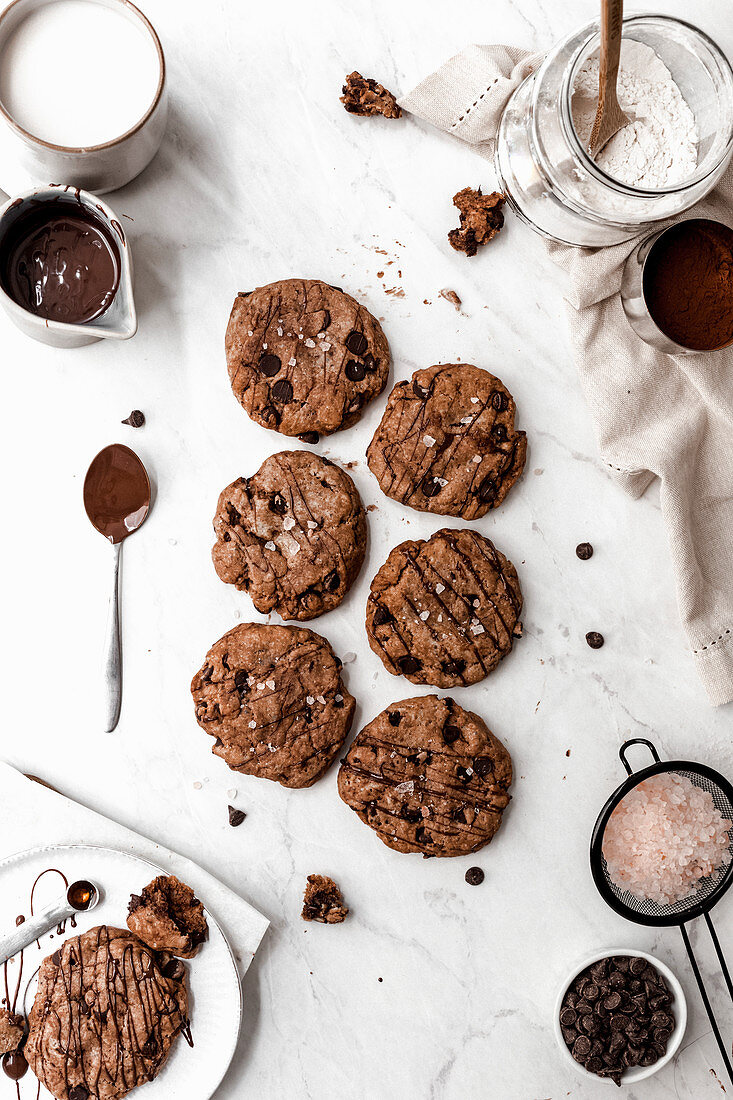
{"type": "Point", "coordinates": [656, 415]}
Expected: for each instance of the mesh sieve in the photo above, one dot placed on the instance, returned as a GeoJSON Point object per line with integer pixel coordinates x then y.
{"type": "Point", "coordinates": [709, 890]}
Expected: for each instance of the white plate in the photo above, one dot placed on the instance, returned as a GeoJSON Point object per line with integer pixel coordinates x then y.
{"type": "Point", "coordinates": [215, 996]}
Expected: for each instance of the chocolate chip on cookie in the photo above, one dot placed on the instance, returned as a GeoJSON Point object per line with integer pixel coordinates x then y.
{"type": "Point", "coordinates": [444, 611]}
{"type": "Point", "coordinates": [422, 791]}
{"type": "Point", "coordinates": [304, 357]}
{"type": "Point", "coordinates": [364, 96]}
{"type": "Point", "coordinates": [447, 442]}
{"type": "Point", "coordinates": [292, 536]}
{"type": "Point", "coordinates": [273, 698]}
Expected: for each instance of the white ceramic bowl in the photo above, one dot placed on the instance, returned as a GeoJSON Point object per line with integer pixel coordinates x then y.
{"type": "Point", "coordinates": [28, 161]}
{"type": "Point", "coordinates": [679, 1005]}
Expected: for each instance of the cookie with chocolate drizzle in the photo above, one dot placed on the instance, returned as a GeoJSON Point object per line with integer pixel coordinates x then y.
{"type": "Point", "coordinates": [304, 357]}
{"type": "Point", "coordinates": [428, 777]}
{"type": "Point", "coordinates": [106, 1013]}
{"type": "Point", "coordinates": [447, 443]}
{"type": "Point", "coordinates": [273, 698]}
{"type": "Point", "coordinates": [292, 536]}
{"type": "Point", "coordinates": [444, 611]}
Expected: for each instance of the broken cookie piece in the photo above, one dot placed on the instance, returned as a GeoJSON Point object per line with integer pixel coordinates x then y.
{"type": "Point", "coordinates": [323, 901]}
{"type": "Point", "coordinates": [11, 1031]}
{"type": "Point", "coordinates": [168, 917]}
{"type": "Point", "coordinates": [364, 96]}
{"type": "Point", "coordinates": [481, 219]}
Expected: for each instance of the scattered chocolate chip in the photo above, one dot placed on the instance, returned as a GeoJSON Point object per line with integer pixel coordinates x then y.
{"type": "Point", "coordinates": [309, 437]}
{"type": "Point", "coordinates": [474, 876]}
{"type": "Point", "coordinates": [136, 419]}
{"type": "Point", "coordinates": [355, 371]}
{"type": "Point", "coordinates": [498, 433]}
{"type": "Point", "coordinates": [277, 504]}
{"type": "Point", "coordinates": [408, 664]}
{"type": "Point", "coordinates": [584, 550]}
{"type": "Point", "coordinates": [594, 639]}
{"type": "Point", "coordinates": [282, 391]}
{"type": "Point", "coordinates": [269, 365]}
{"type": "Point", "coordinates": [236, 817]}
{"type": "Point", "coordinates": [357, 343]}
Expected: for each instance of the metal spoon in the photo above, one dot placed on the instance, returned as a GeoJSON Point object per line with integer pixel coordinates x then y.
{"type": "Point", "coordinates": [117, 501]}
{"type": "Point", "coordinates": [81, 897]}
{"type": "Point", "coordinates": [609, 116]}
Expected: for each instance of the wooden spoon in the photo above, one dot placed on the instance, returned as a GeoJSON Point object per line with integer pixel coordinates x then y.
{"type": "Point", "coordinates": [609, 116]}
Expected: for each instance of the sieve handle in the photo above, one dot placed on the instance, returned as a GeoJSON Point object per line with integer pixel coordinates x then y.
{"type": "Point", "coordinates": [636, 741]}
{"type": "Point", "coordinates": [706, 1002]}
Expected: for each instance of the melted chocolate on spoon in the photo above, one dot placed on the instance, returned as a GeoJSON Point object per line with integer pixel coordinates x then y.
{"type": "Point", "coordinates": [60, 262]}
{"type": "Point", "coordinates": [116, 492]}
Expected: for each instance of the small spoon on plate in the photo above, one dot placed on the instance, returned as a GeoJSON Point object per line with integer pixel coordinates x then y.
{"type": "Point", "coordinates": [81, 897]}
{"type": "Point", "coordinates": [117, 501]}
{"type": "Point", "coordinates": [609, 116]}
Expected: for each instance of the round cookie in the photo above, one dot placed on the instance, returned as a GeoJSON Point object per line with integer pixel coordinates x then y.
{"type": "Point", "coordinates": [106, 1013]}
{"type": "Point", "coordinates": [293, 535]}
{"type": "Point", "coordinates": [444, 611]}
{"type": "Point", "coordinates": [447, 442]}
{"type": "Point", "coordinates": [304, 357]}
{"type": "Point", "coordinates": [273, 698]}
{"type": "Point", "coordinates": [428, 777]}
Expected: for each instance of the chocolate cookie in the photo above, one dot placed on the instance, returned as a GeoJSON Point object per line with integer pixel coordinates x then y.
{"type": "Point", "coordinates": [167, 916]}
{"type": "Point", "coordinates": [447, 443]}
{"type": "Point", "coordinates": [481, 219]}
{"type": "Point", "coordinates": [364, 96]}
{"type": "Point", "coordinates": [428, 777]}
{"type": "Point", "coordinates": [304, 357]}
{"type": "Point", "coordinates": [105, 1015]}
{"type": "Point", "coordinates": [293, 536]}
{"type": "Point", "coordinates": [273, 698]}
{"type": "Point", "coordinates": [11, 1030]}
{"type": "Point", "coordinates": [445, 611]}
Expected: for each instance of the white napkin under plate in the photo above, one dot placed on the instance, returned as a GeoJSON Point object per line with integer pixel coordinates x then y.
{"type": "Point", "coordinates": [34, 815]}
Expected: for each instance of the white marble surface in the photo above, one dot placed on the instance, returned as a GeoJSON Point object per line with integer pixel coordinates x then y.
{"type": "Point", "coordinates": [262, 175]}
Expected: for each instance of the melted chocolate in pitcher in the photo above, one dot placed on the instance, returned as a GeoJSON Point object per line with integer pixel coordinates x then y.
{"type": "Point", "coordinates": [60, 262]}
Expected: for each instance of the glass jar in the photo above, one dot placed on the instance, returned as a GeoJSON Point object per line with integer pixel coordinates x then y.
{"type": "Point", "coordinates": [549, 179]}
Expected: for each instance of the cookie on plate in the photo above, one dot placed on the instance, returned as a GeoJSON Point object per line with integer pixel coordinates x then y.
{"type": "Point", "coordinates": [167, 916]}
{"type": "Point", "coordinates": [105, 1015]}
{"type": "Point", "coordinates": [447, 443]}
{"type": "Point", "coordinates": [428, 777]}
{"type": "Point", "coordinates": [304, 357]}
{"type": "Point", "coordinates": [11, 1030]}
{"type": "Point", "coordinates": [273, 698]}
{"type": "Point", "coordinates": [444, 611]}
{"type": "Point", "coordinates": [292, 536]}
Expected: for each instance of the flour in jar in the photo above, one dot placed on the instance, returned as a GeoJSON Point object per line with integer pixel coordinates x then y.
{"type": "Point", "coordinates": [658, 147]}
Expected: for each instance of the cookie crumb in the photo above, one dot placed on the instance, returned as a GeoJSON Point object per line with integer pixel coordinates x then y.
{"type": "Point", "coordinates": [136, 419]}
{"type": "Point", "coordinates": [452, 297]}
{"type": "Point", "coordinates": [364, 96]}
{"type": "Point", "coordinates": [236, 817]}
{"type": "Point", "coordinates": [481, 219]}
{"type": "Point", "coordinates": [11, 1031]}
{"type": "Point", "coordinates": [323, 901]}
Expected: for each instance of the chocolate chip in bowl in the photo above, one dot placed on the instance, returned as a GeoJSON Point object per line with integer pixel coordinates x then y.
{"type": "Point", "coordinates": [620, 1016]}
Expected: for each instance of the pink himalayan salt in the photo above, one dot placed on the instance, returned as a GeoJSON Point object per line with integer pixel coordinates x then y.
{"type": "Point", "coordinates": [663, 837]}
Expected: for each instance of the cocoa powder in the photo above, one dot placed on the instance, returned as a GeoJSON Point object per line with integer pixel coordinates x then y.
{"type": "Point", "coordinates": [688, 284]}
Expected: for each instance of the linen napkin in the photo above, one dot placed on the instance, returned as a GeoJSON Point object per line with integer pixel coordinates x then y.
{"type": "Point", "coordinates": [28, 808]}
{"type": "Point", "coordinates": [655, 415]}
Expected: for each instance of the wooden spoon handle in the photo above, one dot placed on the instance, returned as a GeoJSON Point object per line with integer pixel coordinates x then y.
{"type": "Point", "coordinates": [612, 18]}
